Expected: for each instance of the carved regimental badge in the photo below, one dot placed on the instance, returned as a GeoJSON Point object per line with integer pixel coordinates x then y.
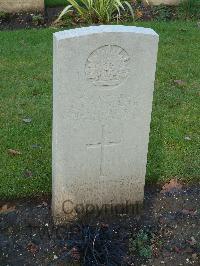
{"type": "Point", "coordinates": [107, 66]}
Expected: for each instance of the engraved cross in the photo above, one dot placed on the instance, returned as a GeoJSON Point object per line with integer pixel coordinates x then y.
{"type": "Point", "coordinates": [102, 144]}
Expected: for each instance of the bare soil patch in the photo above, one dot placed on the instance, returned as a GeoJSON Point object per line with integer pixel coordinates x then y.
{"type": "Point", "coordinates": [166, 232]}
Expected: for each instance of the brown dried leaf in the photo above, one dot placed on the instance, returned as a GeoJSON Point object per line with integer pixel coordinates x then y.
{"type": "Point", "coordinates": [32, 248]}
{"type": "Point", "coordinates": [28, 173]}
{"type": "Point", "coordinates": [172, 184]}
{"type": "Point", "coordinates": [180, 82]}
{"type": "Point", "coordinates": [189, 211]}
{"type": "Point", "coordinates": [188, 250]}
{"type": "Point", "coordinates": [75, 254]}
{"type": "Point", "coordinates": [14, 152]}
{"type": "Point", "coordinates": [5, 208]}
{"type": "Point", "coordinates": [104, 225]}
{"type": "Point", "coordinates": [176, 249]}
{"type": "Point", "coordinates": [138, 13]}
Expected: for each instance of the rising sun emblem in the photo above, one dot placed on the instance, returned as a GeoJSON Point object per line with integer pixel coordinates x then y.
{"type": "Point", "coordinates": [107, 66]}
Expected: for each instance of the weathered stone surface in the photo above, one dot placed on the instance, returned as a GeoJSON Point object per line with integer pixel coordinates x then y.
{"type": "Point", "coordinates": [164, 2]}
{"type": "Point", "coordinates": [21, 5]}
{"type": "Point", "coordinates": [103, 85]}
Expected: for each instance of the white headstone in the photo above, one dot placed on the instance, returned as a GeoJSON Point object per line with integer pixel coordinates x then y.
{"type": "Point", "coordinates": [103, 85]}
{"type": "Point", "coordinates": [162, 2]}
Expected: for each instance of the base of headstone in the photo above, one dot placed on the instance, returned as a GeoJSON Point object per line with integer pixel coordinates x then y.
{"type": "Point", "coordinates": [13, 6]}
{"type": "Point", "coordinates": [86, 214]}
{"type": "Point", "coordinates": [162, 2]}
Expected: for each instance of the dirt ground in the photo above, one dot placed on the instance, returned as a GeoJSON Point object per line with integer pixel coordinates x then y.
{"type": "Point", "coordinates": [166, 232]}
{"type": "Point", "coordinates": [26, 20]}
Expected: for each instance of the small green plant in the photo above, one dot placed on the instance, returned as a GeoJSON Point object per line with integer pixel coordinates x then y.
{"type": "Point", "coordinates": [55, 3]}
{"type": "Point", "coordinates": [95, 11]}
{"type": "Point", "coordinates": [141, 244]}
{"type": "Point", "coordinates": [162, 12]}
{"type": "Point", "coordinates": [189, 8]}
{"type": "Point", "coordinates": [37, 19]}
{"type": "Point", "coordinates": [3, 15]}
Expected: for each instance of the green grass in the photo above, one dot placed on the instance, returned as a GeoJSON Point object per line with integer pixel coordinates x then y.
{"type": "Point", "coordinates": [52, 3]}
{"type": "Point", "coordinates": [26, 91]}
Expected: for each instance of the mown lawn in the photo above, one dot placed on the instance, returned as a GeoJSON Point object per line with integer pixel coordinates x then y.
{"type": "Point", "coordinates": [26, 93]}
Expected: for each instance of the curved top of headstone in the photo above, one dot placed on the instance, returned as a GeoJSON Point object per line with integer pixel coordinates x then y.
{"type": "Point", "coordinates": [78, 32]}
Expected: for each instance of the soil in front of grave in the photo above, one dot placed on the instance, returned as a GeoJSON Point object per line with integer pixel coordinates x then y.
{"type": "Point", "coordinates": [27, 20]}
{"type": "Point", "coordinates": [166, 232]}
